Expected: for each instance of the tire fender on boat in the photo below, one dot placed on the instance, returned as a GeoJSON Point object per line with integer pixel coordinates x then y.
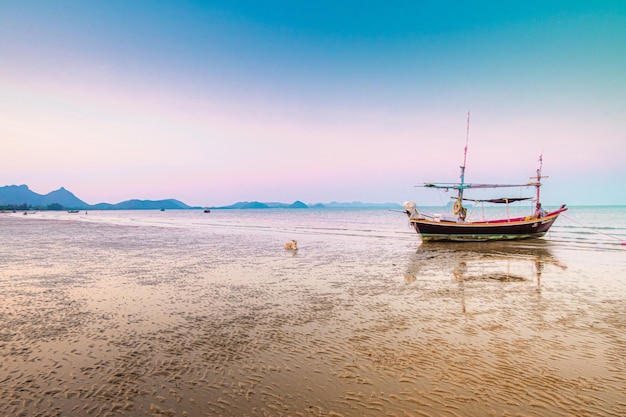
{"type": "Point", "coordinates": [456, 207]}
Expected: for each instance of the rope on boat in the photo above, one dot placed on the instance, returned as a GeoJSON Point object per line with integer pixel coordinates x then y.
{"type": "Point", "coordinates": [623, 242]}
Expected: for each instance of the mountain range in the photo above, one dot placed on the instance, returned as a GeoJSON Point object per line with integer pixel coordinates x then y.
{"type": "Point", "coordinates": [300, 204]}
{"type": "Point", "coordinates": [20, 196]}
{"type": "Point", "coordinates": [260, 205]}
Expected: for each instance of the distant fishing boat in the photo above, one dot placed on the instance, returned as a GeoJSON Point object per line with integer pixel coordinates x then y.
{"type": "Point", "coordinates": [456, 228]}
{"type": "Point", "coordinates": [73, 211]}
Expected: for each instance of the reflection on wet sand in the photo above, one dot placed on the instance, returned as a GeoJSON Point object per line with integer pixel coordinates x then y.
{"type": "Point", "coordinates": [488, 261]}
{"type": "Point", "coordinates": [499, 261]}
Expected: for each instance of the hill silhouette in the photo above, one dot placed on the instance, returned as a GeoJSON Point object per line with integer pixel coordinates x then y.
{"type": "Point", "coordinates": [260, 205]}
{"type": "Point", "coordinates": [21, 195]}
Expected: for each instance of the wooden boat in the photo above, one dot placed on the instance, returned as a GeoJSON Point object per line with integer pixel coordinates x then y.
{"type": "Point", "coordinates": [456, 228]}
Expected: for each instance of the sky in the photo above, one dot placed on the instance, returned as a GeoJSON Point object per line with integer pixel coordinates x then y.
{"type": "Point", "coordinates": [214, 102]}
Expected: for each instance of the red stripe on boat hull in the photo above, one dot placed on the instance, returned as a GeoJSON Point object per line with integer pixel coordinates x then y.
{"type": "Point", "coordinates": [483, 231]}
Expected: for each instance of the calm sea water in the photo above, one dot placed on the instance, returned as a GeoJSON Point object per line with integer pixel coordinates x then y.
{"type": "Point", "coordinates": [592, 226]}
{"type": "Point", "coordinates": [189, 313]}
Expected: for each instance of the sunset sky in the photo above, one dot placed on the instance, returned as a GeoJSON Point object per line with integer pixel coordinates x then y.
{"type": "Point", "coordinates": [213, 102]}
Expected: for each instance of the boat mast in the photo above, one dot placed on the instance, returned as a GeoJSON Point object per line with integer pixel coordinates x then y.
{"type": "Point", "coordinates": [462, 186]}
{"type": "Point", "coordinates": [538, 179]}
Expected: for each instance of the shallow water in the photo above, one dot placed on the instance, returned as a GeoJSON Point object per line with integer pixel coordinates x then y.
{"type": "Point", "coordinates": [186, 313]}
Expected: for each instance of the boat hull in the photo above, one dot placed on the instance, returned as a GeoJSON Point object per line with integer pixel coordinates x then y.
{"type": "Point", "coordinates": [513, 229]}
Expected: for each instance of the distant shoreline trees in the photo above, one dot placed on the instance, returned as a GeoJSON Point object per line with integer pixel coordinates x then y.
{"type": "Point", "coordinates": [27, 207]}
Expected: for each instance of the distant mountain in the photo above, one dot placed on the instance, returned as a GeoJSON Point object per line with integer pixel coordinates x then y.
{"type": "Point", "coordinates": [169, 204]}
{"type": "Point", "coordinates": [356, 204]}
{"type": "Point", "coordinates": [18, 195]}
{"type": "Point", "coordinates": [295, 204]}
{"type": "Point", "coordinates": [244, 205]}
{"type": "Point", "coordinates": [258, 205]}
{"type": "Point", "coordinates": [300, 204]}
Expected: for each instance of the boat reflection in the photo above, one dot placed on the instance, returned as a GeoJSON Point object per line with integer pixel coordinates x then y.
{"type": "Point", "coordinates": [495, 261]}
{"type": "Point", "coordinates": [482, 263]}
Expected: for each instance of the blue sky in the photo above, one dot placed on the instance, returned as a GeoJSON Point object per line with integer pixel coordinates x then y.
{"type": "Point", "coordinates": [213, 102]}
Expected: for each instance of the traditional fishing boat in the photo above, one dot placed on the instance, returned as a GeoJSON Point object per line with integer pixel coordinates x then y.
{"type": "Point", "coordinates": [439, 227]}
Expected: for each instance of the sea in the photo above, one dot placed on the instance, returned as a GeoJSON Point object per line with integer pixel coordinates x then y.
{"type": "Point", "coordinates": [186, 313]}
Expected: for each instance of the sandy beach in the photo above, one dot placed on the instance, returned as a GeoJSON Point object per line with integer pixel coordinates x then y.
{"type": "Point", "coordinates": [103, 319]}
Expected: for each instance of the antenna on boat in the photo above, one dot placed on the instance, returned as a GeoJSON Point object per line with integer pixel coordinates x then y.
{"type": "Point", "coordinates": [465, 153]}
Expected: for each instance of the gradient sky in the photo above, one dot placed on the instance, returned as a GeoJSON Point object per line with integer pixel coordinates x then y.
{"type": "Point", "coordinates": [213, 102]}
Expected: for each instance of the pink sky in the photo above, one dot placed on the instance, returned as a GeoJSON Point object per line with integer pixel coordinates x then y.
{"type": "Point", "coordinates": [260, 111]}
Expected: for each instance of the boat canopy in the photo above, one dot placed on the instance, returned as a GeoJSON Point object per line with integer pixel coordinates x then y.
{"type": "Point", "coordinates": [459, 186]}
{"type": "Point", "coordinates": [499, 200]}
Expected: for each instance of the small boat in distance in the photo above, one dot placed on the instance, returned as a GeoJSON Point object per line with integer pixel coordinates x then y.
{"type": "Point", "coordinates": [457, 228]}
{"type": "Point", "coordinates": [73, 211]}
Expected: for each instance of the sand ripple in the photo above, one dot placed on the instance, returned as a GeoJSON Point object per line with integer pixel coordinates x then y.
{"type": "Point", "coordinates": [103, 320]}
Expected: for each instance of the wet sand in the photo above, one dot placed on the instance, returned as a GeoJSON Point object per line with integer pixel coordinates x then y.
{"type": "Point", "coordinates": [110, 320]}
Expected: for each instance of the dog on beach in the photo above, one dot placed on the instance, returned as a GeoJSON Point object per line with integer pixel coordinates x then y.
{"type": "Point", "coordinates": [292, 245]}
